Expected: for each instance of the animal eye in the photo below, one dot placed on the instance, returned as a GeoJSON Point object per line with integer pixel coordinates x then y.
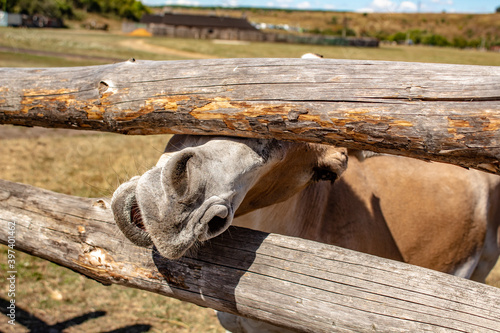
{"type": "Point", "coordinates": [324, 174]}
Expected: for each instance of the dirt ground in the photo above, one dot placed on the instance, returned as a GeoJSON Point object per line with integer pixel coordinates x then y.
{"type": "Point", "coordinates": [141, 45]}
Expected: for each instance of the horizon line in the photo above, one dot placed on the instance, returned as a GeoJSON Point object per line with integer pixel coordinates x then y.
{"type": "Point", "coordinates": [313, 9]}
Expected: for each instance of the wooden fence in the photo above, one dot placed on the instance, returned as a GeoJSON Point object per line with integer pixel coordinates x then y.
{"type": "Point", "coordinates": [438, 112]}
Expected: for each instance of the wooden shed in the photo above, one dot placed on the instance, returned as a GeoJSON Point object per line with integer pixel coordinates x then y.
{"type": "Point", "coordinates": [201, 26]}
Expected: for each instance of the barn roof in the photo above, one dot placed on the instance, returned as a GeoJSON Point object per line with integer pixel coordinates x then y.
{"type": "Point", "coordinates": [199, 21]}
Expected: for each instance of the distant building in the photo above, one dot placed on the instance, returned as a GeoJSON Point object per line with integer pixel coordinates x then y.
{"type": "Point", "coordinates": [10, 20]}
{"type": "Point", "coordinates": [30, 21]}
{"type": "Point", "coordinates": [200, 27]}
{"type": "Point", "coordinates": [41, 21]}
{"type": "Point", "coordinates": [3, 19]}
{"type": "Point", "coordinates": [14, 20]}
{"type": "Point", "coordinates": [229, 28]}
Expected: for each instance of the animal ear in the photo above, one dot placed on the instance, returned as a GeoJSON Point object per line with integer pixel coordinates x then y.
{"type": "Point", "coordinates": [176, 173]}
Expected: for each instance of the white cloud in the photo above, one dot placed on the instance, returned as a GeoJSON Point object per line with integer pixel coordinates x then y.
{"type": "Point", "coordinates": [443, 2]}
{"type": "Point", "coordinates": [390, 6]}
{"type": "Point", "coordinates": [182, 2]}
{"type": "Point", "coordinates": [365, 10]}
{"type": "Point", "coordinates": [230, 3]}
{"type": "Point", "coordinates": [304, 5]}
{"type": "Point", "coordinates": [407, 6]}
{"type": "Point", "coordinates": [329, 6]}
{"type": "Point", "coordinates": [383, 5]}
{"type": "Point", "coordinates": [279, 4]}
{"type": "Point", "coordinates": [284, 3]}
{"type": "Point", "coordinates": [440, 5]}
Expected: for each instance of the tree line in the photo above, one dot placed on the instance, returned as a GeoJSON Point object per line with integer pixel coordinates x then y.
{"type": "Point", "coordinates": [71, 9]}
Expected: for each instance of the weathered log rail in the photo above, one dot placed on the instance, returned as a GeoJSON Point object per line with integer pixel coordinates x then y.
{"type": "Point", "coordinates": [439, 112]}
{"type": "Point", "coordinates": [448, 113]}
{"type": "Point", "coordinates": [283, 280]}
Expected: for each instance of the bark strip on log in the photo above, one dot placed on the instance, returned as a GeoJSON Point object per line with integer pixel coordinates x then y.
{"type": "Point", "coordinates": [448, 113]}
{"type": "Point", "coordinates": [283, 280]}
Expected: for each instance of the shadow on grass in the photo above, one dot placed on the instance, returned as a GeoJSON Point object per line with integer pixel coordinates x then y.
{"type": "Point", "coordinates": [36, 325]}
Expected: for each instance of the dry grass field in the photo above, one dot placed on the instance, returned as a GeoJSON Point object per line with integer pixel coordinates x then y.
{"type": "Point", "coordinates": [93, 164]}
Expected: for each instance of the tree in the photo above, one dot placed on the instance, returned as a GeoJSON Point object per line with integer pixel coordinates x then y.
{"type": "Point", "coordinates": [436, 40]}
{"type": "Point", "coordinates": [398, 37]}
{"type": "Point", "coordinates": [130, 9]}
{"type": "Point", "coordinates": [51, 8]}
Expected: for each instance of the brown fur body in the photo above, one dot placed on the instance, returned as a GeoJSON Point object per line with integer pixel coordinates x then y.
{"type": "Point", "coordinates": [433, 215]}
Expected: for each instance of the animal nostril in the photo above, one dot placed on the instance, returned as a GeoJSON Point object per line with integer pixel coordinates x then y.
{"type": "Point", "coordinates": [216, 219]}
{"type": "Point", "coordinates": [216, 225]}
{"type": "Point", "coordinates": [136, 216]}
{"type": "Point", "coordinates": [324, 174]}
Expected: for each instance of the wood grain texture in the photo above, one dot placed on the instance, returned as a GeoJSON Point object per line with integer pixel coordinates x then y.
{"type": "Point", "coordinates": [448, 113]}
{"type": "Point", "coordinates": [283, 280]}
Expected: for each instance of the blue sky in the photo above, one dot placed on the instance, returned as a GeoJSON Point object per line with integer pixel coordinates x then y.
{"type": "Point", "coordinates": [411, 6]}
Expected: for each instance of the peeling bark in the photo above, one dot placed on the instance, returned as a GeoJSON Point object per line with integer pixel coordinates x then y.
{"type": "Point", "coordinates": [448, 113]}
{"type": "Point", "coordinates": [286, 281]}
